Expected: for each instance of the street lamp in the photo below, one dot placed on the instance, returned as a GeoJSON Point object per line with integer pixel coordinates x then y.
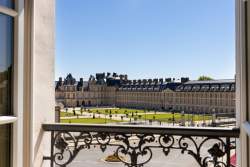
{"type": "Point", "coordinates": [192, 119]}
{"type": "Point", "coordinates": [203, 118]}
{"type": "Point", "coordinates": [189, 119]}
{"type": "Point", "coordinates": [106, 112]}
{"type": "Point", "coordinates": [173, 119]}
{"type": "Point", "coordinates": [183, 118]}
{"type": "Point", "coordinates": [81, 110]}
{"type": "Point", "coordinates": [213, 117]}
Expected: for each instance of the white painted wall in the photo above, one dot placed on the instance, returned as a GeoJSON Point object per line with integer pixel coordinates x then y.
{"type": "Point", "coordinates": [42, 78]}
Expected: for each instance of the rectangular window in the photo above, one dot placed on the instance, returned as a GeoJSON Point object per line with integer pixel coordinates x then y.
{"type": "Point", "coordinates": [7, 3]}
{"type": "Point", "coordinates": [5, 135]}
{"type": "Point", "coordinates": [6, 61]}
{"type": "Point", "coordinates": [6, 56]}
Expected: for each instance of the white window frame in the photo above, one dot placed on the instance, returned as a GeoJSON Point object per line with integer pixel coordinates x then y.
{"type": "Point", "coordinates": [8, 11]}
{"type": "Point", "coordinates": [18, 102]}
{"type": "Point", "coordinates": [242, 85]}
{"type": "Point", "coordinates": [16, 120]}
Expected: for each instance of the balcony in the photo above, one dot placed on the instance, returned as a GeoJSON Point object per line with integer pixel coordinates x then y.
{"type": "Point", "coordinates": [134, 146]}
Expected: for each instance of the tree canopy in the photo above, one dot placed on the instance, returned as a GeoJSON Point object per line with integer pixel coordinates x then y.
{"type": "Point", "coordinates": [204, 78]}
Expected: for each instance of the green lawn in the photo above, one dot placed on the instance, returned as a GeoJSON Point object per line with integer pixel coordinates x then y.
{"type": "Point", "coordinates": [168, 117]}
{"type": "Point", "coordinates": [116, 111]}
{"type": "Point", "coordinates": [163, 116]}
{"type": "Point", "coordinates": [64, 114]}
{"type": "Point", "coordinates": [88, 121]}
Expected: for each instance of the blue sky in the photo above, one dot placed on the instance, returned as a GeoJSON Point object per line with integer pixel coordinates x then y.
{"type": "Point", "coordinates": [146, 38]}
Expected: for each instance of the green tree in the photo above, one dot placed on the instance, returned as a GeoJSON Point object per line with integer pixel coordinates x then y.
{"type": "Point", "coordinates": [204, 78]}
{"type": "Point", "coordinates": [81, 110]}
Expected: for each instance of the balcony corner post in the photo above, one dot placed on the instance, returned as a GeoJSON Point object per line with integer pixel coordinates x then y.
{"type": "Point", "coordinates": [228, 151]}
{"type": "Point", "coordinates": [52, 148]}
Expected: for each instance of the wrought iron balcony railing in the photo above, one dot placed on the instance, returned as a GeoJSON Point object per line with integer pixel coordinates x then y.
{"type": "Point", "coordinates": [133, 144]}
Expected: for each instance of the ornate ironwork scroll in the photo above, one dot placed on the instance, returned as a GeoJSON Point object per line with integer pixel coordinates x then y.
{"type": "Point", "coordinates": [135, 150]}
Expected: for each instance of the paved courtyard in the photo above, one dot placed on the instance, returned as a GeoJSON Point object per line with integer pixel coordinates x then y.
{"type": "Point", "coordinates": [94, 158]}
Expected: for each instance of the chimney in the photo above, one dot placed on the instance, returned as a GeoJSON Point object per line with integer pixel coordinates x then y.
{"type": "Point", "coordinates": [126, 77]}
{"type": "Point", "coordinates": [184, 79]}
{"type": "Point", "coordinates": [139, 81]}
{"type": "Point", "coordinates": [155, 80]}
{"type": "Point", "coordinates": [150, 81]}
{"type": "Point", "coordinates": [121, 77]}
{"type": "Point", "coordinates": [114, 74]}
{"type": "Point", "coordinates": [168, 80]}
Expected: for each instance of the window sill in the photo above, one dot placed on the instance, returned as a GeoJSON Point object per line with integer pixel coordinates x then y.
{"type": "Point", "coordinates": [7, 119]}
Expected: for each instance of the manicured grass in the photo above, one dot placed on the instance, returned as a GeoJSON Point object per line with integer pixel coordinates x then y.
{"type": "Point", "coordinates": [115, 111]}
{"type": "Point", "coordinates": [88, 121]}
{"type": "Point", "coordinates": [162, 116]}
{"type": "Point", "coordinates": [168, 117]}
{"type": "Point", "coordinates": [66, 114]}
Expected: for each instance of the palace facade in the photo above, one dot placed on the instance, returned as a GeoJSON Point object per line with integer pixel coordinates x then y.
{"type": "Point", "coordinates": [216, 96]}
{"type": "Point", "coordinates": [5, 91]}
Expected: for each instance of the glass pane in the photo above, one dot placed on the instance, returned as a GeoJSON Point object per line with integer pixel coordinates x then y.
{"type": "Point", "coordinates": [7, 3]}
{"type": "Point", "coordinates": [5, 132]}
{"type": "Point", "coordinates": [6, 54]}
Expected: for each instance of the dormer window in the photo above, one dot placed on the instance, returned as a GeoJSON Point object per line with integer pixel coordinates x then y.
{"type": "Point", "coordinates": [204, 87]}
{"type": "Point", "coordinates": [156, 88]}
{"type": "Point", "coordinates": [215, 87]}
{"type": "Point", "coordinates": [179, 88]}
{"type": "Point", "coordinates": [196, 88]}
{"type": "Point", "coordinates": [233, 87]}
{"type": "Point", "coordinates": [188, 88]}
{"type": "Point", "coordinates": [139, 88]}
{"type": "Point", "coordinates": [225, 87]}
{"type": "Point", "coordinates": [151, 88]}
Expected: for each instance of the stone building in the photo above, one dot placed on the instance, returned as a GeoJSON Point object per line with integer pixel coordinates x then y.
{"type": "Point", "coordinates": [161, 94]}
{"type": "Point", "coordinates": [94, 92]}
{"type": "Point", "coordinates": [5, 90]}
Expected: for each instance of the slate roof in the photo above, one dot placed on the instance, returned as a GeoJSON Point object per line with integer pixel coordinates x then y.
{"type": "Point", "coordinates": [153, 84]}
{"type": "Point", "coordinates": [211, 85]}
